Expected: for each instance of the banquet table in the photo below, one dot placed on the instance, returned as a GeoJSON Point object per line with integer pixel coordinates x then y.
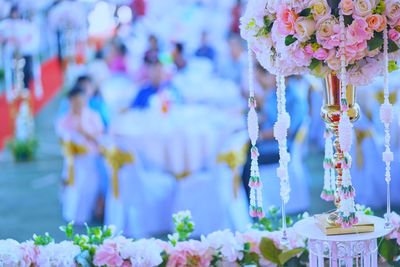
{"type": "Point", "coordinates": [185, 140]}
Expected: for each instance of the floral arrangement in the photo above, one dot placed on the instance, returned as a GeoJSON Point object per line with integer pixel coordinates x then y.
{"type": "Point", "coordinates": [260, 245]}
{"type": "Point", "coordinates": [303, 36]}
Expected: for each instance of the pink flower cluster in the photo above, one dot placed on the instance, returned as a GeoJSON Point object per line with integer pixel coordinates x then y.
{"type": "Point", "coordinates": [306, 35]}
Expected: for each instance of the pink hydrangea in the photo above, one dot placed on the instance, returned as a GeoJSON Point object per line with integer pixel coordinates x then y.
{"type": "Point", "coordinates": [358, 32]}
{"type": "Point", "coordinates": [190, 253]}
{"type": "Point", "coordinates": [30, 253]}
{"type": "Point", "coordinates": [109, 252]}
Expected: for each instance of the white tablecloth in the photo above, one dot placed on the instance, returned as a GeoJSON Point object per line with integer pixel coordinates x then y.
{"type": "Point", "coordinates": [183, 141]}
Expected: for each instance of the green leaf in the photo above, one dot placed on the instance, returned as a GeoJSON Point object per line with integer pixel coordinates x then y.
{"type": "Point", "coordinates": [305, 12]}
{"type": "Point", "coordinates": [375, 42]}
{"type": "Point", "coordinates": [388, 249]}
{"type": "Point", "coordinates": [314, 63]}
{"type": "Point", "coordinates": [287, 255]}
{"type": "Point", "coordinates": [392, 46]}
{"type": "Point", "coordinates": [269, 251]}
{"type": "Point", "coordinates": [251, 258]}
{"type": "Point", "coordinates": [391, 67]}
{"type": "Point", "coordinates": [290, 39]}
{"type": "Point", "coordinates": [348, 20]}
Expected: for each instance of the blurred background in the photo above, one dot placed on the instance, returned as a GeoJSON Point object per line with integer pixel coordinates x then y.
{"type": "Point", "coordinates": [123, 112]}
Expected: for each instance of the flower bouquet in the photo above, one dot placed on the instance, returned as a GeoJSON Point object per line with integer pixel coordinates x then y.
{"type": "Point", "coordinates": [349, 42]}
{"type": "Point", "coordinates": [306, 35]}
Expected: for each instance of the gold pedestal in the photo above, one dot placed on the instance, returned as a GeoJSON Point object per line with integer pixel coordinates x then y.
{"type": "Point", "coordinates": [363, 226]}
{"type": "Point", "coordinates": [331, 114]}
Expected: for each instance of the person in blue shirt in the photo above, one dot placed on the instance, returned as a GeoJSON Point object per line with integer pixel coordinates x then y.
{"type": "Point", "coordinates": [296, 106]}
{"type": "Point", "coordinates": [154, 85]}
{"type": "Point", "coordinates": [205, 50]}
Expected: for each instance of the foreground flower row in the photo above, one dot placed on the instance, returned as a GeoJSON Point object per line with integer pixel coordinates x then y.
{"type": "Point", "coordinates": [258, 246]}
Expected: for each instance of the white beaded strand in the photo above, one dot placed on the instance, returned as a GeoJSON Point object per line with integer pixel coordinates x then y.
{"type": "Point", "coordinates": [280, 133]}
{"type": "Point", "coordinates": [255, 184]}
{"type": "Point", "coordinates": [386, 117]}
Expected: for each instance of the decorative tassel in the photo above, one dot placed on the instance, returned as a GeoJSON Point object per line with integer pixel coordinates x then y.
{"type": "Point", "coordinates": [328, 192]}
{"type": "Point", "coordinates": [255, 184]}
{"type": "Point", "coordinates": [346, 210]}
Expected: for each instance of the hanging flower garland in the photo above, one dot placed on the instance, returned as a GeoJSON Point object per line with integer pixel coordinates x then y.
{"type": "Point", "coordinates": [386, 117]}
{"type": "Point", "coordinates": [328, 191]}
{"type": "Point", "coordinates": [346, 209]}
{"type": "Point", "coordinates": [255, 184]}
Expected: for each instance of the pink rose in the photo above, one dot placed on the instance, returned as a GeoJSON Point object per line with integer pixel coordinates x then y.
{"type": "Point", "coordinates": [363, 8]}
{"type": "Point", "coordinates": [328, 32]}
{"type": "Point", "coordinates": [308, 49]}
{"type": "Point", "coordinates": [320, 54]}
{"type": "Point", "coordinates": [376, 22]}
{"type": "Point", "coordinates": [286, 19]}
{"type": "Point", "coordinates": [108, 254]}
{"type": "Point", "coordinates": [347, 7]}
{"type": "Point", "coordinates": [394, 35]}
{"type": "Point", "coordinates": [358, 31]}
{"type": "Point", "coordinates": [392, 11]}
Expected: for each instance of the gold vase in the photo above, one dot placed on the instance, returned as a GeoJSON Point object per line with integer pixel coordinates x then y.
{"type": "Point", "coordinates": [331, 114]}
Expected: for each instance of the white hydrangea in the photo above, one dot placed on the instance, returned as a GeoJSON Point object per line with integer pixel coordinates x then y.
{"type": "Point", "coordinates": [143, 252]}
{"type": "Point", "coordinates": [10, 253]}
{"type": "Point", "coordinates": [58, 255]}
{"type": "Point", "coordinates": [225, 242]}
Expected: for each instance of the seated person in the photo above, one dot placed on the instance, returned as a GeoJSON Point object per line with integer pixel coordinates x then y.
{"type": "Point", "coordinates": [155, 85]}
{"type": "Point", "coordinates": [205, 50]}
{"type": "Point", "coordinates": [80, 128]}
{"type": "Point", "coordinates": [179, 57]}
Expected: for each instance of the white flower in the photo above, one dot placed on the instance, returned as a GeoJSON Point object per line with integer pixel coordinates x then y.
{"type": "Point", "coordinates": [143, 252]}
{"type": "Point", "coordinates": [58, 255]}
{"type": "Point", "coordinates": [392, 11]}
{"type": "Point", "coordinates": [10, 253]}
{"type": "Point", "coordinates": [253, 18]}
{"type": "Point", "coordinates": [226, 243]}
{"type": "Point", "coordinates": [363, 8]}
{"type": "Point", "coordinates": [304, 28]}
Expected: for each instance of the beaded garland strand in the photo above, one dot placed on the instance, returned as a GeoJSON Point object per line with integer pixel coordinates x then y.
{"type": "Point", "coordinates": [281, 127]}
{"type": "Point", "coordinates": [328, 191]}
{"type": "Point", "coordinates": [346, 209]}
{"type": "Point", "coordinates": [255, 184]}
{"type": "Point", "coordinates": [386, 117]}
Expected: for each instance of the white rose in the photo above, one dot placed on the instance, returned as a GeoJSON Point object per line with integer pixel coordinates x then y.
{"type": "Point", "coordinates": [320, 9]}
{"type": "Point", "coordinates": [304, 28]}
{"type": "Point", "coordinates": [392, 11]}
{"type": "Point", "coordinates": [363, 7]}
{"type": "Point", "coordinates": [325, 29]}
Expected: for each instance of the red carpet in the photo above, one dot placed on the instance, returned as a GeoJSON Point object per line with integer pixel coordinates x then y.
{"type": "Point", "coordinates": [52, 80]}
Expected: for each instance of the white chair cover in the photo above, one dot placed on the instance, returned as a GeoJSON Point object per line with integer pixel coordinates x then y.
{"type": "Point", "coordinates": [79, 199]}
{"type": "Point", "coordinates": [209, 194]}
{"type": "Point", "coordinates": [143, 207]}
